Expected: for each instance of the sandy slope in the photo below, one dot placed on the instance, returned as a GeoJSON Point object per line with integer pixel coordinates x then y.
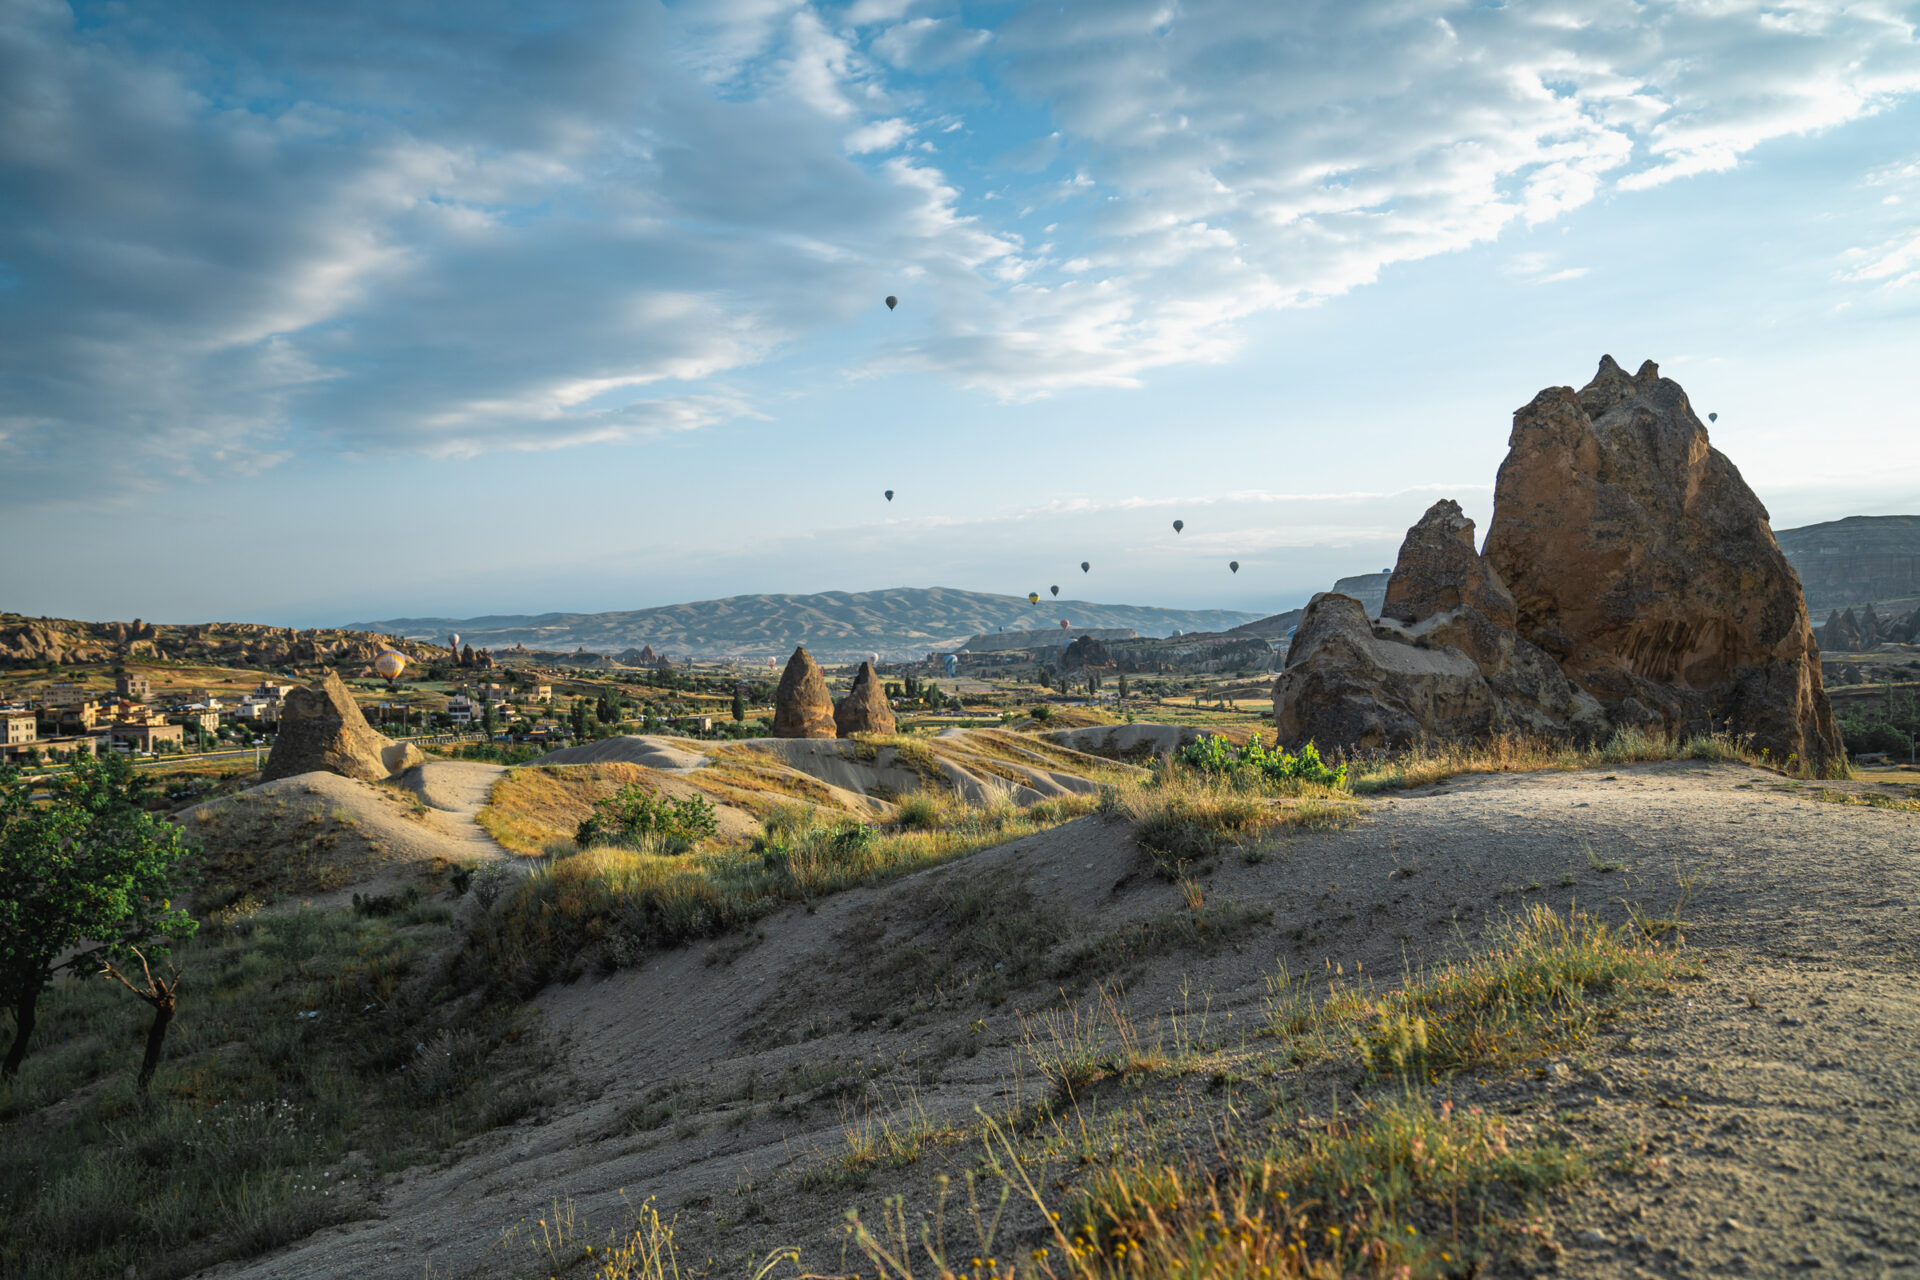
{"type": "Point", "coordinates": [318, 836]}
{"type": "Point", "coordinates": [1782, 1091]}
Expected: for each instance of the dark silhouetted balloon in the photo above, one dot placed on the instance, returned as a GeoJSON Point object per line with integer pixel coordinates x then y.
{"type": "Point", "coordinates": [1086, 566]}
{"type": "Point", "coordinates": [1178, 525]}
{"type": "Point", "coordinates": [1713, 417]}
{"type": "Point", "coordinates": [892, 302]}
{"type": "Point", "coordinates": [1033, 597]}
{"type": "Point", "coordinates": [1055, 590]}
{"type": "Point", "coordinates": [1234, 565]}
{"type": "Point", "coordinates": [889, 495]}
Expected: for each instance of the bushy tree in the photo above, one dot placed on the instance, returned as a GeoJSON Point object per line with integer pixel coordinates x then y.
{"type": "Point", "coordinates": [89, 876]}
{"type": "Point", "coordinates": [739, 705]}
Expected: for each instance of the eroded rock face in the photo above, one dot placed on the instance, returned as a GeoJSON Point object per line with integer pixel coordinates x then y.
{"type": "Point", "coordinates": [1343, 686]}
{"type": "Point", "coordinates": [1443, 593]}
{"type": "Point", "coordinates": [1086, 653]}
{"type": "Point", "coordinates": [801, 707]}
{"type": "Point", "coordinates": [321, 728]}
{"type": "Point", "coordinates": [1640, 560]}
{"type": "Point", "coordinates": [1531, 694]}
{"type": "Point", "coordinates": [865, 709]}
{"type": "Point", "coordinates": [1440, 569]}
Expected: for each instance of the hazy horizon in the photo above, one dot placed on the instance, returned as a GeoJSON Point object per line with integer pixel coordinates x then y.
{"type": "Point", "coordinates": [311, 315]}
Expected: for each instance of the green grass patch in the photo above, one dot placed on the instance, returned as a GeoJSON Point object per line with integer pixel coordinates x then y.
{"type": "Point", "coordinates": [303, 1064]}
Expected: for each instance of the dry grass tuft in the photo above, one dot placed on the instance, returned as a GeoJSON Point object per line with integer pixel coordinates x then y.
{"type": "Point", "coordinates": [1183, 816]}
{"type": "Point", "coordinates": [1521, 753]}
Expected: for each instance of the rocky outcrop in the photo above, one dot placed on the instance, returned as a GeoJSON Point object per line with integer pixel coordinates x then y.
{"type": "Point", "coordinates": [1444, 601]}
{"type": "Point", "coordinates": [1440, 569]}
{"type": "Point", "coordinates": [1871, 630]}
{"type": "Point", "coordinates": [1086, 654]}
{"type": "Point", "coordinates": [1343, 686]}
{"type": "Point", "coordinates": [801, 707]}
{"type": "Point", "coordinates": [1841, 634]}
{"type": "Point", "coordinates": [1640, 560]}
{"type": "Point", "coordinates": [1630, 579]}
{"type": "Point", "coordinates": [321, 728]}
{"type": "Point", "coordinates": [865, 709]}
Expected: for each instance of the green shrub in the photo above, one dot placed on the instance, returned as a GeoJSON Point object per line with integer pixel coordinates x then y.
{"type": "Point", "coordinates": [635, 818]}
{"type": "Point", "coordinates": [1214, 754]}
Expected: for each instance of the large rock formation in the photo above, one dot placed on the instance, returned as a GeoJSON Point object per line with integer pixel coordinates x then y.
{"type": "Point", "coordinates": [1629, 579]}
{"type": "Point", "coordinates": [322, 728]}
{"type": "Point", "coordinates": [1641, 561]}
{"type": "Point", "coordinates": [801, 706]}
{"type": "Point", "coordinates": [1343, 686]}
{"type": "Point", "coordinates": [1084, 654]}
{"type": "Point", "coordinates": [865, 709]}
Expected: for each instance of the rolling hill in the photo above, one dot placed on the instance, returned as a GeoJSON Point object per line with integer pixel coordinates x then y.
{"type": "Point", "coordinates": [834, 625]}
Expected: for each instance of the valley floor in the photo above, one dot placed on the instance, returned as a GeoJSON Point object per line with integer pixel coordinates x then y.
{"type": "Point", "coordinates": [757, 1087]}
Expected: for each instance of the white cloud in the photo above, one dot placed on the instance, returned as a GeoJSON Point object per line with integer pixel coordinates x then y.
{"type": "Point", "coordinates": [233, 234]}
{"type": "Point", "coordinates": [924, 44]}
{"type": "Point", "coordinates": [1892, 265]}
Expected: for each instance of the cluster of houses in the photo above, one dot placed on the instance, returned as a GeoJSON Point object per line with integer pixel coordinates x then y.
{"type": "Point", "coordinates": [469, 704]}
{"type": "Point", "coordinates": [57, 720]}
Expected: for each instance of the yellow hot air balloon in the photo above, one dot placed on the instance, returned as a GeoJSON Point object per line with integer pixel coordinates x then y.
{"type": "Point", "coordinates": [390, 664]}
{"type": "Point", "coordinates": [1033, 597]}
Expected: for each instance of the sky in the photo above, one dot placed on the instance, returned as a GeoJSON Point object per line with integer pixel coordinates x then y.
{"type": "Point", "coordinates": [319, 313]}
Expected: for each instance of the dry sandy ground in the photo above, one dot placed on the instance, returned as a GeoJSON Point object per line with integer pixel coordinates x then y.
{"type": "Point", "coordinates": [1780, 1093]}
{"type": "Point", "coordinates": [317, 837]}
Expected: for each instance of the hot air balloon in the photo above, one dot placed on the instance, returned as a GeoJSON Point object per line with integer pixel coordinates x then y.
{"type": "Point", "coordinates": [1055, 590]}
{"type": "Point", "coordinates": [874, 658]}
{"type": "Point", "coordinates": [1033, 597]}
{"type": "Point", "coordinates": [1713, 417]}
{"type": "Point", "coordinates": [892, 302]}
{"type": "Point", "coordinates": [390, 664]}
{"type": "Point", "coordinates": [453, 642]}
{"type": "Point", "coordinates": [1178, 525]}
{"type": "Point", "coordinates": [1086, 566]}
{"type": "Point", "coordinates": [1234, 565]}
{"type": "Point", "coordinates": [889, 495]}
{"type": "Point", "coordinates": [1064, 624]}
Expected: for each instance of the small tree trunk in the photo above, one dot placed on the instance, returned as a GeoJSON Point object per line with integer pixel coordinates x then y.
{"type": "Point", "coordinates": [23, 1010]}
{"type": "Point", "coordinates": [156, 1039]}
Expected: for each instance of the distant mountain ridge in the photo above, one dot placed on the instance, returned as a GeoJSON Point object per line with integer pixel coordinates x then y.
{"type": "Point", "coordinates": [833, 625]}
{"type": "Point", "coordinates": [1856, 560]}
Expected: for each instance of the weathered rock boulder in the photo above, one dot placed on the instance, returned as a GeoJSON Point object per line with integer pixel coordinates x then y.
{"type": "Point", "coordinates": [865, 709]}
{"type": "Point", "coordinates": [1640, 560]}
{"type": "Point", "coordinates": [801, 706]}
{"type": "Point", "coordinates": [1440, 569]}
{"type": "Point", "coordinates": [321, 728]}
{"type": "Point", "coordinates": [1343, 686]}
{"type": "Point", "coordinates": [1840, 634]}
{"type": "Point", "coordinates": [1084, 654]}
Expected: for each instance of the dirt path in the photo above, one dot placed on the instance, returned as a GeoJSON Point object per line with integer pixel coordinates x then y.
{"type": "Point", "coordinates": [455, 791]}
{"type": "Point", "coordinates": [1781, 1091]}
